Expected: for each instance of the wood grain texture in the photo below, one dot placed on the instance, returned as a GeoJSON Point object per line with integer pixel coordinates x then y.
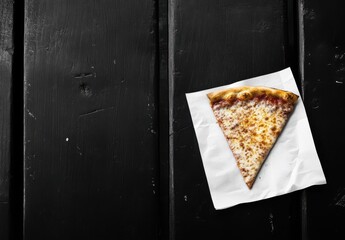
{"type": "Point", "coordinates": [215, 43]}
{"type": "Point", "coordinates": [91, 154]}
{"type": "Point", "coordinates": [324, 74]}
{"type": "Point", "coordinates": [6, 51]}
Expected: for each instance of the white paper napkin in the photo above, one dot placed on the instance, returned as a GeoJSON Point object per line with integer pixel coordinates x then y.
{"type": "Point", "coordinates": [292, 164]}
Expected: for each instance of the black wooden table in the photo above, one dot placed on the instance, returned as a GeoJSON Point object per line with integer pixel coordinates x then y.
{"type": "Point", "coordinates": [96, 139]}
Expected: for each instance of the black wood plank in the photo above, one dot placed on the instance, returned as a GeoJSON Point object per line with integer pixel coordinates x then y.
{"type": "Point", "coordinates": [6, 51]}
{"type": "Point", "coordinates": [324, 74]}
{"type": "Point", "coordinates": [214, 43]}
{"type": "Point", "coordinates": [91, 154]}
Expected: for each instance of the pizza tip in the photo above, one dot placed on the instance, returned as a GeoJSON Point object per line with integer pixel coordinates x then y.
{"type": "Point", "coordinates": [250, 184]}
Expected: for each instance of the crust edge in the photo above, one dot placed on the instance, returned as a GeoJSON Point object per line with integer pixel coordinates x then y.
{"type": "Point", "coordinates": [248, 92]}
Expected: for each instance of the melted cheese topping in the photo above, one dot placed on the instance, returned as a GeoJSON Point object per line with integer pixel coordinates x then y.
{"type": "Point", "coordinates": [251, 128]}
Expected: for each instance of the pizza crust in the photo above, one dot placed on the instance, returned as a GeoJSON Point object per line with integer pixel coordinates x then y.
{"type": "Point", "coordinates": [249, 92]}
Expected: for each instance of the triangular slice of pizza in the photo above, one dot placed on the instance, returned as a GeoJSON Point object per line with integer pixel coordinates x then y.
{"type": "Point", "coordinates": [251, 119]}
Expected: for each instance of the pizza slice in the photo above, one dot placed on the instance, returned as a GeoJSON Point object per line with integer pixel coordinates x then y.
{"type": "Point", "coordinates": [251, 119]}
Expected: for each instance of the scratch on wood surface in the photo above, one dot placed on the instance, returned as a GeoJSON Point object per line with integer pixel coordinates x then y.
{"type": "Point", "coordinates": [83, 75]}
{"type": "Point", "coordinates": [31, 114]}
{"type": "Point", "coordinates": [339, 199]}
{"type": "Point", "coordinates": [79, 150]}
{"type": "Point", "coordinates": [271, 222]}
{"type": "Point", "coordinates": [341, 202]}
{"type": "Point", "coordinates": [152, 131]}
{"type": "Point", "coordinates": [94, 111]}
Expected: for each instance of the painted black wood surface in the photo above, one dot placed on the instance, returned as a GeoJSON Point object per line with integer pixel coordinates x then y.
{"type": "Point", "coordinates": [324, 77]}
{"type": "Point", "coordinates": [213, 43]}
{"type": "Point", "coordinates": [91, 158]}
{"type": "Point", "coordinates": [6, 51]}
{"type": "Point", "coordinates": [110, 152]}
